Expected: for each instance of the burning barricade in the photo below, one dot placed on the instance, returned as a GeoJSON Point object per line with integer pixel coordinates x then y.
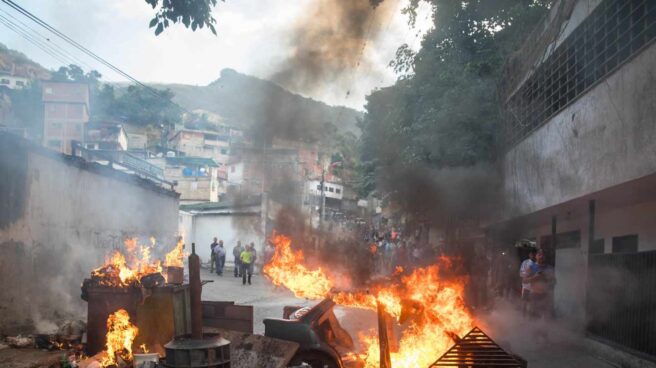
{"type": "Point", "coordinates": [428, 309]}
{"type": "Point", "coordinates": [132, 289]}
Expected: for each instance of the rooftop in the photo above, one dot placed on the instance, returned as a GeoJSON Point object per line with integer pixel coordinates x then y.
{"type": "Point", "coordinates": [191, 161]}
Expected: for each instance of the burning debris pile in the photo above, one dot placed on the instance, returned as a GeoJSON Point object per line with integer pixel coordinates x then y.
{"type": "Point", "coordinates": [134, 267]}
{"type": "Point", "coordinates": [428, 309]}
{"type": "Point", "coordinates": [116, 289]}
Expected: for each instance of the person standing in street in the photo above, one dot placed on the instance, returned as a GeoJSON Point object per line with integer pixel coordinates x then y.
{"type": "Point", "coordinates": [252, 248]}
{"type": "Point", "coordinates": [212, 256]}
{"type": "Point", "coordinates": [542, 282]}
{"type": "Point", "coordinates": [247, 259]}
{"type": "Point", "coordinates": [525, 272]}
{"type": "Point", "coordinates": [236, 252]}
{"type": "Point", "coordinates": [220, 256]}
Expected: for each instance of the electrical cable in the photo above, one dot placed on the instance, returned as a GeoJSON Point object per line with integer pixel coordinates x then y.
{"type": "Point", "coordinates": [86, 51]}
{"type": "Point", "coordinates": [31, 40]}
{"type": "Point", "coordinates": [48, 42]}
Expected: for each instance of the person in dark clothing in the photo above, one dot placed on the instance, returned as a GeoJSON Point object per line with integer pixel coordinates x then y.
{"type": "Point", "coordinates": [236, 252]}
{"type": "Point", "coordinates": [212, 256]}
{"type": "Point", "coordinates": [220, 256]}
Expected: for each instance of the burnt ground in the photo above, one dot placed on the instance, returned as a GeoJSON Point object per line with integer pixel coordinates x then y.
{"type": "Point", "coordinates": [29, 358]}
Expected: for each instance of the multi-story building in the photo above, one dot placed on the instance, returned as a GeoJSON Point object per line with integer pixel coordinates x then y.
{"type": "Point", "coordinates": [205, 143]}
{"type": "Point", "coordinates": [579, 163]}
{"type": "Point", "coordinates": [13, 81]}
{"type": "Point", "coordinates": [105, 136]}
{"type": "Point", "coordinates": [197, 179]}
{"type": "Point", "coordinates": [65, 114]}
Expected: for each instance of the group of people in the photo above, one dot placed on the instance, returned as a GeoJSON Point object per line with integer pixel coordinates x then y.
{"type": "Point", "coordinates": [392, 250]}
{"type": "Point", "coordinates": [244, 258]}
{"type": "Point", "coordinates": [538, 280]}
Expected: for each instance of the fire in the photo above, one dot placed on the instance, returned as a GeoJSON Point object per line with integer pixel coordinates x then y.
{"type": "Point", "coordinates": [120, 335]}
{"type": "Point", "coordinates": [175, 258]}
{"type": "Point", "coordinates": [286, 268]}
{"type": "Point", "coordinates": [144, 349]}
{"type": "Point", "coordinates": [428, 308]}
{"type": "Point", "coordinates": [126, 269]}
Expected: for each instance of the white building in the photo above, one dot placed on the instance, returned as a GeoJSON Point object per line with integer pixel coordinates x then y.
{"type": "Point", "coordinates": [230, 221]}
{"type": "Point", "coordinates": [13, 81]}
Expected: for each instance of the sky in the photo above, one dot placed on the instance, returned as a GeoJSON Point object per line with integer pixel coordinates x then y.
{"type": "Point", "coordinates": [253, 38]}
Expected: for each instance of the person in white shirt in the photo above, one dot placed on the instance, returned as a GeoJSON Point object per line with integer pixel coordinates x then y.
{"type": "Point", "coordinates": [525, 272]}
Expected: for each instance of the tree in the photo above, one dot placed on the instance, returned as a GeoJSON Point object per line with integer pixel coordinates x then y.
{"type": "Point", "coordinates": [141, 106]}
{"type": "Point", "coordinates": [192, 14]}
{"type": "Point", "coordinates": [443, 112]}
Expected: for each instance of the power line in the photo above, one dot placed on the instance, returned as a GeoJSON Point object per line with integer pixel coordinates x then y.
{"type": "Point", "coordinates": [30, 39]}
{"type": "Point", "coordinates": [86, 51]}
{"type": "Point", "coordinates": [47, 42]}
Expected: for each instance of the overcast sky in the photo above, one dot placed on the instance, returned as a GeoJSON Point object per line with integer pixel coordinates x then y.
{"type": "Point", "coordinates": [252, 39]}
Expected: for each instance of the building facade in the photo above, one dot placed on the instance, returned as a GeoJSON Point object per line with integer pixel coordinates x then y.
{"type": "Point", "coordinates": [197, 179]}
{"type": "Point", "coordinates": [205, 143]}
{"type": "Point", "coordinates": [579, 163]}
{"type": "Point", "coordinates": [65, 114]}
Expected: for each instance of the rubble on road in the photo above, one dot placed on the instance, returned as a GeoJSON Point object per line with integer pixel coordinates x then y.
{"type": "Point", "coordinates": [256, 351]}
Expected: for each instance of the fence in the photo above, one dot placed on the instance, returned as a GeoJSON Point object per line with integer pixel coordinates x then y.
{"type": "Point", "coordinates": [621, 300]}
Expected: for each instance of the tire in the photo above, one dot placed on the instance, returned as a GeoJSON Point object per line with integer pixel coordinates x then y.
{"type": "Point", "coordinates": [312, 359]}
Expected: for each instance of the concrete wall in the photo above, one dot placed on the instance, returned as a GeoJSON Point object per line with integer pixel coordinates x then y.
{"type": "Point", "coordinates": [59, 217]}
{"type": "Point", "coordinates": [606, 137]}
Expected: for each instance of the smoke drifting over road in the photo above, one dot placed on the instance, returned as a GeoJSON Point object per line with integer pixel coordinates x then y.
{"type": "Point", "coordinates": [330, 41]}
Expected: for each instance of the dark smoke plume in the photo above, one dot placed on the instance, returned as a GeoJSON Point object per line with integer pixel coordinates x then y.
{"type": "Point", "coordinates": [330, 41]}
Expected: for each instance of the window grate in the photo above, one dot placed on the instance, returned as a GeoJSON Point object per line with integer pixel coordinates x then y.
{"type": "Point", "coordinates": [614, 32]}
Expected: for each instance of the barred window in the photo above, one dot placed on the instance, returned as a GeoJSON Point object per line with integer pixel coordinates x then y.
{"type": "Point", "coordinates": [614, 32]}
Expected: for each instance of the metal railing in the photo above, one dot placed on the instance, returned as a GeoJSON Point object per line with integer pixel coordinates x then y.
{"type": "Point", "coordinates": [125, 160]}
{"type": "Point", "coordinates": [621, 300]}
{"type": "Point", "coordinates": [614, 32]}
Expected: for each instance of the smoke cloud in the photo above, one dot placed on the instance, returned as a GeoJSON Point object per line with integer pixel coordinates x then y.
{"type": "Point", "coordinates": [330, 41]}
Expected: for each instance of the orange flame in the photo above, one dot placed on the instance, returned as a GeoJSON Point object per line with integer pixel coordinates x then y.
{"type": "Point", "coordinates": [428, 308]}
{"type": "Point", "coordinates": [123, 270]}
{"type": "Point", "coordinates": [175, 258]}
{"type": "Point", "coordinates": [120, 335]}
{"type": "Point", "coordinates": [286, 268]}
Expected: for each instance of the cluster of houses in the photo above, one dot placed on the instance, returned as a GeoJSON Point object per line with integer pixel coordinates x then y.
{"type": "Point", "coordinates": [217, 171]}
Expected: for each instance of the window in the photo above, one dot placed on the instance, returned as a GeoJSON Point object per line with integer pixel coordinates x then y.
{"type": "Point", "coordinates": [570, 239]}
{"type": "Point", "coordinates": [5, 81]}
{"type": "Point", "coordinates": [597, 247]}
{"type": "Point", "coordinates": [20, 83]}
{"type": "Point", "coordinates": [625, 244]}
{"type": "Point", "coordinates": [338, 191]}
{"type": "Point", "coordinates": [331, 189]}
{"type": "Point", "coordinates": [614, 32]}
{"type": "Point", "coordinates": [48, 90]}
{"type": "Point", "coordinates": [319, 187]}
{"type": "Point", "coordinates": [224, 151]}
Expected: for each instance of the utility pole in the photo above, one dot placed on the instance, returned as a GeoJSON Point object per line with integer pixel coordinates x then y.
{"type": "Point", "coordinates": [323, 197]}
